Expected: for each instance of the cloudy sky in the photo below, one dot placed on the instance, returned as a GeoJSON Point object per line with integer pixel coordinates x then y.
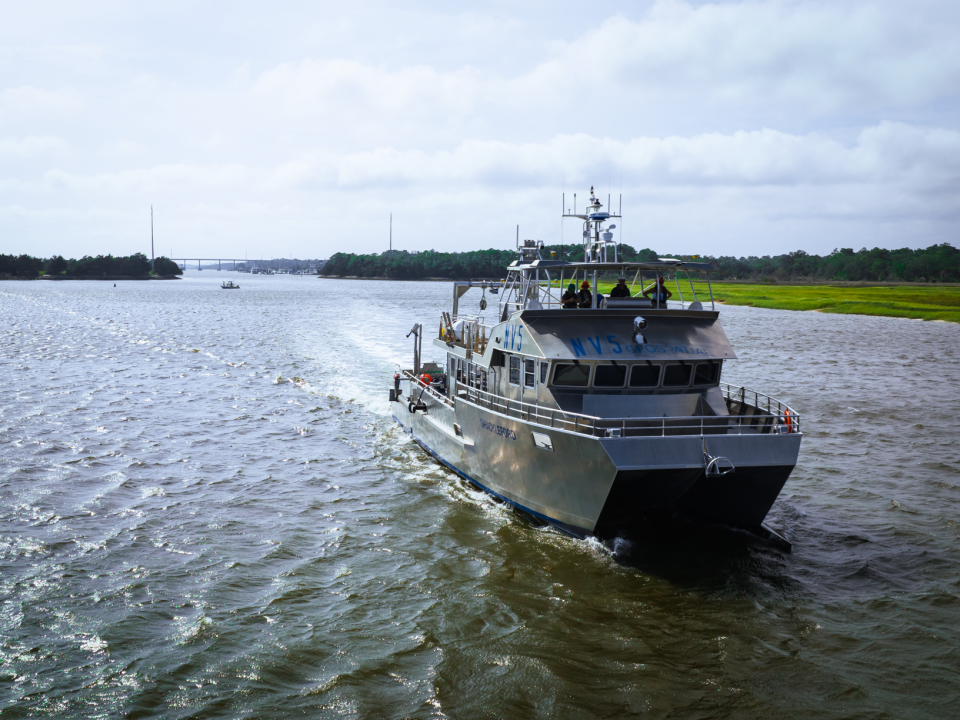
{"type": "Point", "coordinates": [296, 128]}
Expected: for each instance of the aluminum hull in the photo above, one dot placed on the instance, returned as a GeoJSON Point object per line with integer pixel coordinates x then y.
{"type": "Point", "coordinates": [588, 485]}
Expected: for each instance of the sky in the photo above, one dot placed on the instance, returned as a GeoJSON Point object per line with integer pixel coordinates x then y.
{"type": "Point", "coordinates": [295, 129]}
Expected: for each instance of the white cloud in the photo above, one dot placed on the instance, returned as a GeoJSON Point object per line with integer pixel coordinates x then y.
{"type": "Point", "coordinates": [30, 146]}
{"type": "Point", "coordinates": [801, 58]}
{"type": "Point", "coordinates": [827, 55]}
{"type": "Point", "coordinates": [182, 178]}
{"type": "Point", "coordinates": [887, 153]}
{"type": "Point", "coordinates": [26, 100]}
{"type": "Point", "coordinates": [807, 119]}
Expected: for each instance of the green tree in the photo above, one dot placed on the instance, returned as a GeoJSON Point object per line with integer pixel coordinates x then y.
{"type": "Point", "coordinates": [27, 266]}
{"type": "Point", "coordinates": [166, 267]}
{"type": "Point", "coordinates": [56, 265]}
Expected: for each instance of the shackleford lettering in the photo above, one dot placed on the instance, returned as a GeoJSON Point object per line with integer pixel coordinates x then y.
{"type": "Point", "coordinates": [498, 430]}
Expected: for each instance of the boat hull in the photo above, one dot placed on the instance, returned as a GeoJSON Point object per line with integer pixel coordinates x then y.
{"type": "Point", "coordinates": [587, 485]}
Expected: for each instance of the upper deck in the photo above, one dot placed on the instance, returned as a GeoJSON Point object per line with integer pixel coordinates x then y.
{"type": "Point", "coordinates": [536, 295]}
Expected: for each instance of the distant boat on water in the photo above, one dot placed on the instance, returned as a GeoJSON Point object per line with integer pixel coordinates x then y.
{"type": "Point", "coordinates": [228, 285]}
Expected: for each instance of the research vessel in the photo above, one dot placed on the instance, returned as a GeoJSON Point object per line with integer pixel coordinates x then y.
{"type": "Point", "coordinates": [592, 418]}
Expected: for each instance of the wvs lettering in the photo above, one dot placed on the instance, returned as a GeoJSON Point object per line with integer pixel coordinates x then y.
{"type": "Point", "coordinates": [498, 430]}
{"type": "Point", "coordinates": [513, 337]}
{"type": "Point", "coordinates": [611, 345]}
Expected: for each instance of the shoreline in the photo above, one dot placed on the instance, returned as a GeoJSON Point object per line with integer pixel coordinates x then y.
{"type": "Point", "coordinates": [111, 278]}
{"type": "Point", "coordinates": [912, 301]}
{"type": "Point", "coordinates": [785, 283]}
{"type": "Point", "coordinates": [425, 279]}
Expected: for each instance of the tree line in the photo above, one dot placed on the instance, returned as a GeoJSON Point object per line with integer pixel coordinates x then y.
{"type": "Point", "coordinates": [937, 263]}
{"type": "Point", "coordinates": [136, 265]}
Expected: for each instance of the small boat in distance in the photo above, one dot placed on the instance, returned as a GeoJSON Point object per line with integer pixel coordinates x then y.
{"type": "Point", "coordinates": [228, 285]}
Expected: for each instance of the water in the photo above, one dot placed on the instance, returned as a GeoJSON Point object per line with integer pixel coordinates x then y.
{"type": "Point", "coordinates": [206, 511]}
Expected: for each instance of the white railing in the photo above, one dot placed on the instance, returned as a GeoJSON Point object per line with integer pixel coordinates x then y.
{"type": "Point", "coordinates": [741, 397]}
{"type": "Point", "coordinates": [418, 388]}
{"type": "Point", "coordinates": [474, 334]}
{"type": "Point", "coordinates": [749, 419]}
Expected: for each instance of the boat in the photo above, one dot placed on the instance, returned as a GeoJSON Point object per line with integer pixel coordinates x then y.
{"type": "Point", "coordinates": [595, 418]}
{"type": "Point", "coordinates": [228, 285]}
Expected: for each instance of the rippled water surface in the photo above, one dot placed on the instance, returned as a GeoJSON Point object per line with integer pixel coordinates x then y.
{"type": "Point", "coordinates": [206, 511]}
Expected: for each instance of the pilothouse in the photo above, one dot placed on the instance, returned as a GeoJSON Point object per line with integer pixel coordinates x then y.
{"type": "Point", "coordinates": [590, 415]}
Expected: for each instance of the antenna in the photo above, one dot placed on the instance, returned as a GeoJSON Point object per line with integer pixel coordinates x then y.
{"type": "Point", "coordinates": [518, 236]}
{"type": "Point", "coordinates": [574, 203]}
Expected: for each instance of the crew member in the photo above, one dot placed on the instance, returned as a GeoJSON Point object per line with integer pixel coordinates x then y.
{"type": "Point", "coordinates": [586, 297]}
{"type": "Point", "coordinates": [621, 290]}
{"type": "Point", "coordinates": [569, 299]}
{"type": "Point", "coordinates": [660, 292]}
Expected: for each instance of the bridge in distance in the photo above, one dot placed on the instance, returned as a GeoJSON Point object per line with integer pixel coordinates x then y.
{"type": "Point", "coordinates": [219, 261]}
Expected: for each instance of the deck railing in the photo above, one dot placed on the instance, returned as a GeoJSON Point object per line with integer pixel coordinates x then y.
{"type": "Point", "coordinates": [419, 388]}
{"type": "Point", "coordinates": [751, 412]}
{"type": "Point", "coordinates": [474, 334]}
{"type": "Point", "coordinates": [745, 418]}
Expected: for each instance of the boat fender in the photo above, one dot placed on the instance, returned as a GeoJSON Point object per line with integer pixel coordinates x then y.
{"type": "Point", "coordinates": [396, 383]}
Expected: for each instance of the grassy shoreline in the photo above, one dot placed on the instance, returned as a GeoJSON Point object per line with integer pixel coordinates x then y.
{"type": "Point", "coordinates": [912, 301]}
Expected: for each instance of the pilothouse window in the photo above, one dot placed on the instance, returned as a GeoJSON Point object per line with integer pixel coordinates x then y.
{"type": "Point", "coordinates": [609, 375]}
{"type": "Point", "coordinates": [514, 370]}
{"type": "Point", "coordinates": [645, 376]}
{"type": "Point", "coordinates": [571, 375]}
{"type": "Point", "coordinates": [707, 374]}
{"type": "Point", "coordinates": [544, 367]}
{"type": "Point", "coordinates": [529, 373]}
{"type": "Point", "coordinates": [677, 375]}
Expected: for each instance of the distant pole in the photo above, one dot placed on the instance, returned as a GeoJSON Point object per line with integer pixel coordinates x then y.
{"type": "Point", "coordinates": [391, 237]}
{"type": "Point", "coordinates": [153, 259]}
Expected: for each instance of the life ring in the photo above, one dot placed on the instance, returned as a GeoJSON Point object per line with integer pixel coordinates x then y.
{"type": "Point", "coordinates": [789, 421]}
{"type": "Point", "coordinates": [426, 379]}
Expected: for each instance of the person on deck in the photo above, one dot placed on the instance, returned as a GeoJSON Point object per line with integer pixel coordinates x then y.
{"type": "Point", "coordinates": [660, 292]}
{"type": "Point", "coordinates": [586, 297]}
{"type": "Point", "coordinates": [621, 290]}
{"type": "Point", "coordinates": [570, 299]}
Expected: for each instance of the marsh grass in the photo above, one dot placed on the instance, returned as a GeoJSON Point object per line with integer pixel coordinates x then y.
{"type": "Point", "coordinates": [918, 302]}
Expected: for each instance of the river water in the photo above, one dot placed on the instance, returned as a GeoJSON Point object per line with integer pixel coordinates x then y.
{"type": "Point", "coordinates": [207, 511]}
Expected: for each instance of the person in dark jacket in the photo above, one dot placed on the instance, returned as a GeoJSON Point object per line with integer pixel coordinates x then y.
{"type": "Point", "coordinates": [570, 299]}
{"type": "Point", "coordinates": [621, 290]}
{"type": "Point", "coordinates": [586, 297]}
